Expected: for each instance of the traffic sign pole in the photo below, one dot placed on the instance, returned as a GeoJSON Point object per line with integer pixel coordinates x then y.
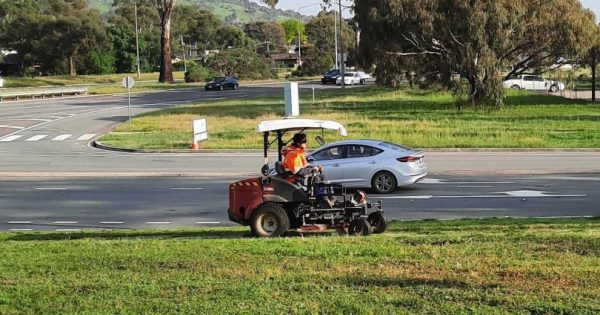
{"type": "Point", "coordinates": [128, 82]}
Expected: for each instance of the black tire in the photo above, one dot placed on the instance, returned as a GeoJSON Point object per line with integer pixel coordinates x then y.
{"type": "Point", "coordinates": [269, 220]}
{"type": "Point", "coordinates": [378, 222]}
{"type": "Point", "coordinates": [236, 86]}
{"type": "Point", "coordinates": [360, 226]}
{"type": "Point", "coordinates": [362, 82]}
{"type": "Point", "coordinates": [221, 88]}
{"type": "Point", "coordinates": [515, 87]}
{"type": "Point", "coordinates": [383, 182]}
{"type": "Point", "coordinates": [206, 88]}
{"type": "Point", "coordinates": [323, 82]}
{"type": "Point", "coordinates": [554, 88]}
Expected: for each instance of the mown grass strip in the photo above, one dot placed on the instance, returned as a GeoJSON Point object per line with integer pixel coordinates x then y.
{"type": "Point", "coordinates": [422, 119]}
{"type": "Point", "coordinates": [488, 266]}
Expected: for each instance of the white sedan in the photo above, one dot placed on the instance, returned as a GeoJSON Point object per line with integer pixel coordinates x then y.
{"type": "Point", "coordinates": [351, 78]}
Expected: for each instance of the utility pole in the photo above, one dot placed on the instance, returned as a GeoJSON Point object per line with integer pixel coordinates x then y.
{"type": "Point", "coordinates": [336, 37]}
{"type": "Point", "coordinates": [183, 46]}
{"type": "Point", "coordinates": [342, 63]}
{"type": "Point", "coordinates": [137, 41]}
{"type": "Point", "coordinates": [299, 49]}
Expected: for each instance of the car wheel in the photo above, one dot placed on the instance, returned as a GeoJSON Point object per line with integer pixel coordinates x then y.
{"type": "Point", "coordinates": [362, 82]}
{"type": "Point", "coordinates": [378, 222]}
{"type": "Point", "coordinates": [221, 88]}
{"type": "Point", "coordinates": [360, 226]}
{"type": "Point", "coordinates": [383, 182]}
{"type": "Point", "coordinates": [206, 89]}
{"type": "Point", "coordinates": [236, 86]}
{"type": "Point", "coordinates": [323, 82]}
{"type": "Point", "coordinates": [554, 88]}
{"type": "Point", "coordinates": [269, 220]}
{"type": "Point", "coordinates": [515, 87]}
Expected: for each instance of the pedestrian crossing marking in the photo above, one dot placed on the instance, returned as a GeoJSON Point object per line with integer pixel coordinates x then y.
{"type": "Point", "coordinates": [37, 138]}
{"type": "Point", "coordinates": [86, 136]}
{"type": "Point", "coordinates": [11, 138]}
{"type": "Point", "coordinates": [62, 137]}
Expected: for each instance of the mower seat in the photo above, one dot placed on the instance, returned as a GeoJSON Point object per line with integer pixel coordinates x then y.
{"type": "Point", "coordinates": [281, 172]}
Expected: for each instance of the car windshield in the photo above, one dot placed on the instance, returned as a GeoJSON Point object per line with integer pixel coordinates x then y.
{"type": "Point", "coordinates": [220, 79]}
{"type": "Point", "coordinates": [396, 147]}
{"type": "Point", "coordinates": [333, 72]}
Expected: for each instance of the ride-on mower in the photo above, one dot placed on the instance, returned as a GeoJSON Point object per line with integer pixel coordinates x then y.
{"type": "Point", "coordinates": [274, 206]}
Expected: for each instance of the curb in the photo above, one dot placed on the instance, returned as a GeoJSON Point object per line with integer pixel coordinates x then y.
{"type": "Point", "coordinates": [99, 145]}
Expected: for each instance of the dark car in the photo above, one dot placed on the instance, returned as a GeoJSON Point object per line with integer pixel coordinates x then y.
{"type": "Point", "coordinates": [222, 83]}
{"type": "Point", "coordinates": [330, 76]}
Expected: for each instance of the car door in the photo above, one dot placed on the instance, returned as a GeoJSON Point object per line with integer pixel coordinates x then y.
{"type": "Point", "coordinates": [528, 83]}
{"type": "Point", "coordinates": [361, 162]}
{"type": "Point", "coordinates": [539, 83]}
{"type": "Point", "coordinates": [329, 158]}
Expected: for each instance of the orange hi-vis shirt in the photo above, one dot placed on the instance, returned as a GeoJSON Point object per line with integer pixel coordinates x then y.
{"type": "Point", "coordinates": [294, 159]}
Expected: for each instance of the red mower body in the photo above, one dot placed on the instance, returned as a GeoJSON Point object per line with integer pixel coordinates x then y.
{"type": "Point", "coordinates": [244, 197]}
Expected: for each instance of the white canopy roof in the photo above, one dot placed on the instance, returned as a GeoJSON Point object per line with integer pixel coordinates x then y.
{"type": "Point", "coordinates": [300, 124]}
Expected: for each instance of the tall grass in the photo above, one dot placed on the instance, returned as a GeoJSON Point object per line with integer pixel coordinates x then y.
{"type": "Point", "coordinates": [423, 119]}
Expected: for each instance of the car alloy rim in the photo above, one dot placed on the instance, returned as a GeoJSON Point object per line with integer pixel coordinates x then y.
{"type": "Point", "coordinates": [268, 223]}
{"type": "Point", "coordinates": [384, 182]}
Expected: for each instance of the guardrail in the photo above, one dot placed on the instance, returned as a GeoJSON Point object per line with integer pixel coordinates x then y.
{"type": "Point", "coordinates": [42, 93]}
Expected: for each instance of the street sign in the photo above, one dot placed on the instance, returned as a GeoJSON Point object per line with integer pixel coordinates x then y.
{"type": "Point", "coordinates": [200, 130]}
{"type": "Point", "coordinates": [128, 82]}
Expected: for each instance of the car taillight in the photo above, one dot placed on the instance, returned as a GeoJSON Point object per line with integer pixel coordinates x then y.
{"type": "Point", "coordinates": [407, 159]}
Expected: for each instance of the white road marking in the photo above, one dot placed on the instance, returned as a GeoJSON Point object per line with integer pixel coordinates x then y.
{"type": "Point", "coordinates": [10, 138]}
{"type": "Point", "coordinates": [20, 230]}
{"type": "Point", "coordinates": [158, 222]}
{"type": "Point", "coordinates": [61, 137]}
{"type": "Point", "coordinates": [51, 188]}
{"type": "Point", "coordinates": [37, 138]}
{"type": "Point", "coordinates": [186, 188]}
{"type": "Point", "coordinates": [443, 181]}
{"type": "Point", "coordinates": [68, 230]}
{"type": "Point", "coordinates": [64, 222]}
{"type": "Point", "coordinates": [208, 222]}
{"type": "Point", "coordinates": [19, 222]}
{"type": "Point", "coordinates": [111, 222]}
{"type": "Point", "coordinates": [11, 127]}
{"type": "Point", "coordinates": [86, 136]}
{"type": "Point", "coordinates": [506, 194]}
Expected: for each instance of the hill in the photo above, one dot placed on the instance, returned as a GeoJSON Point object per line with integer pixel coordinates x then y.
{"type": "Point", "coordinates": [235, 11]}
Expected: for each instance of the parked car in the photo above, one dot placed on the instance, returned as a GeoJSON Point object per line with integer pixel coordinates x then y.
{"type": "Point", "coordinates": [350, 78]}
{"type": "Point", "coordinates": [364, 76]}
{"type": "Point", "coordinates": [330, 76]}
{"type": "Point", "coordinates": [379, 165]}
{"type": "Point", "coordinates": [534, 83]}
{"type": "Point", "coordinates": [222, 83]}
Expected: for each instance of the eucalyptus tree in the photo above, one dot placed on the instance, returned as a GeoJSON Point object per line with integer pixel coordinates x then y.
{"type": "Point", "coordinates": [482, 41]}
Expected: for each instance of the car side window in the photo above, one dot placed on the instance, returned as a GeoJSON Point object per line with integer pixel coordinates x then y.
{"type": "Point", "coordinates": [332, 153]}
{"type": "Point", "coordinates": [528, 78]}
{"type": "Point", "coordinates": [358, 151]}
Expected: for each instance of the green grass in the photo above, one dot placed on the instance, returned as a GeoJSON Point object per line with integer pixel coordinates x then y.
{"type": "Point", "coordinates": [422, 119]}
{"type": "Point", "coordinates": [489, 266]}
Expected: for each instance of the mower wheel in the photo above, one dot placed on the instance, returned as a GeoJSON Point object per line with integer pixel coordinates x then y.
{"type": "Point", "coordinates": [378, 222]}
{"type": "Point", "coordinates": [360, 226]}
{"type": "Point", "coordinates": [269, 220]}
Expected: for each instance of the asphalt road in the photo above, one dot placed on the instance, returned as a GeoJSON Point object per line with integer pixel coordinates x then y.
{"type": "Point", "coordinates": [169, 202]}
{"type": "Point", "coordinates": [49, 173]}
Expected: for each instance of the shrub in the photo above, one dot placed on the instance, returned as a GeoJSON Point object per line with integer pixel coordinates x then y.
{"type": "Point", "coordinates": [242, 63]}
{"type": "Point", "coordinates": [199, 74]}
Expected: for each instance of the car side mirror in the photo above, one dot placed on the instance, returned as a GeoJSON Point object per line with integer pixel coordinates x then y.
{"type": "Point", "coordinates": [310, 159]}
{"type": "Point", "coordinates": [320, 140]}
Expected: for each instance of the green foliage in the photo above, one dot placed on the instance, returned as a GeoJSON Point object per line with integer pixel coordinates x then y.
{"type": "Point", "coordinates": [262, 32]}
{"type": "Point", "coordinates": [293, 28]}
{"type": "Point", "coordinates": [99, 62]}
{"type": "Point", "coordinates": [242, 63]}
{"type": "Point", "coordinates": [229, 36]}
{"type": "Point", "coordinates": [315, 62]}
{"type": "Point", "coordinates": [199, 74]}
{"type": "Point", "coordinates": [436, 34]}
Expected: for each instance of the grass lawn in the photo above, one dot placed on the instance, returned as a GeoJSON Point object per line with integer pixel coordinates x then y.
{"type": "Point", "coordinates": [422, 119]}
{"type": "Point", "coordinates": [488, 266]}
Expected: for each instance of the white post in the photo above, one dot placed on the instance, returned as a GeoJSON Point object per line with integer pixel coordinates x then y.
{"type": "Point", "coordinates": [292, 103]}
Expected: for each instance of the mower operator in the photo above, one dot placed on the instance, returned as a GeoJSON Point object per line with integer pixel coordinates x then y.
{"type": "Point", "coordinates": [294, 159]}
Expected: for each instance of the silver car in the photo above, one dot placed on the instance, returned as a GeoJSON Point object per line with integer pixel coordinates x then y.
{"type": "Point", "coordinates": [379, 165]}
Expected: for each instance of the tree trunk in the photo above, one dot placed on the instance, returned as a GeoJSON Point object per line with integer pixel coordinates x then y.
{"type": "Point", "coordinates": [166, 67]}
{"type": "Point", "coordinates": [594, 65]}
{"type": "Point", "coordinates": [72, 69]}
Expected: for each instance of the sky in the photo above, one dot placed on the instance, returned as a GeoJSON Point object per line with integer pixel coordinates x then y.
{"type": "Point", "coordinates": [314, 9]}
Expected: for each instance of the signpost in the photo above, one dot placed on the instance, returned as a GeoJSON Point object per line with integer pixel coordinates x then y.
{"type": "Point", "coordinates": [200, 132]}
{"type": "Point", "coordinates": [128, 82]}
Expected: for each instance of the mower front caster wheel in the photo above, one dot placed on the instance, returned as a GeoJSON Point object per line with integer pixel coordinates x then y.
{"type": "Point", "coordinates": [378, 222]}
{"type": "Point", "coordinates": [360, 226]}
{"type": "Point", "coordinates": [269, 220]}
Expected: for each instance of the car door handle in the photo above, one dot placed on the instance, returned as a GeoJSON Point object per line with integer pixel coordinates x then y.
{"type": "Point", "coordinates": [335, 165]}
{"type": "Point", "coordinates": [372, 162]}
